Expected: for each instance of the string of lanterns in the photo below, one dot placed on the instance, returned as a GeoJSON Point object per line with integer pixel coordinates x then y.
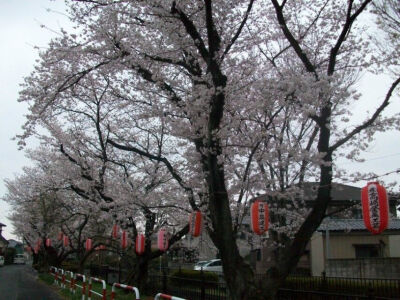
{"type": "Point", "coordinates": [88, 244]}
{"type": "Point", "coordinates": [375, 211]}
{"type": "Point", "coordinates": [115, 231]}
{"type": "Point", "coordinates": [162, 239]}
{"type": "Point", "coordinates": [124, 239]}
{"type": "Point", "coordinates": [140, 244]}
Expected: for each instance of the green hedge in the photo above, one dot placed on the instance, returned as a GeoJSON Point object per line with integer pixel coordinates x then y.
{"type": "Point", "coordinates": [380, 288]}
{"type": "Point", "coordinates": [193, 278]}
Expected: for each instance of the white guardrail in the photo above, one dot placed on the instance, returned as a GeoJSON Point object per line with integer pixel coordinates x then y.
{"type": "Point", "coordinates": [60, 278]}
{"type": "Point", "coordinates": [168, 297]}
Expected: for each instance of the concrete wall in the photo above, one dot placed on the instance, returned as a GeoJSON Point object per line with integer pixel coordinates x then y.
{"type": "Point", "coordinates": [317, 255]}
{"type": "Point", "coordinates": [342, 246]}
{"type": "Point", "coordinates": [364, 268]}
{"type": "Point", "coordinates": [394, 245]}
{"type": "Point", "coordinates": [342, 255]}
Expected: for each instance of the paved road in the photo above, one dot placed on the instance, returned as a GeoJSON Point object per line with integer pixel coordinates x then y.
{"type": "Point", "coordinates": [18, 282]}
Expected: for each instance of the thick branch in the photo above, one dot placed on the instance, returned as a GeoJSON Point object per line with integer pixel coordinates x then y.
{"type": "Point", "coordinates": [191, 30]}
{"type": "Point", "coordinates": [237, 34]}
{"type": "Point", "coordinates": [165, 161]}
{"type": "Point", "coordinates": [345, 30]}
{"type": "Point", "coordinates": [292, 40]}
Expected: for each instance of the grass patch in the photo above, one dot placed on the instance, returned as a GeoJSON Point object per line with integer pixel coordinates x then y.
{"type": "Point", "coordinates": [97, 287]}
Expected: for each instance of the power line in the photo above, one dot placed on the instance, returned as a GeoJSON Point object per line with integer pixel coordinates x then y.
{"type": "Point", "coordinates": [371, 159]}
{"type": "Point", "coordinates": [373, 177]}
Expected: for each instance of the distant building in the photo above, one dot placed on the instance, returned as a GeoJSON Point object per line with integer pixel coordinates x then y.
{"type": "Point", "coordinates": [18, 246]}
{"type": "Point", "coordinates": [3, 241]}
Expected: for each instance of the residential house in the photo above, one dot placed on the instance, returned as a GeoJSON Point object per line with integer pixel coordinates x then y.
{"type": "Point", "coordinates": [342, 246]}
{"type": "Point", "coordinates": [3, 241]}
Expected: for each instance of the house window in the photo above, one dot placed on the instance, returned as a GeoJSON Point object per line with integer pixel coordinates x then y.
{"type": "Point", "coordinates": [368, 250]}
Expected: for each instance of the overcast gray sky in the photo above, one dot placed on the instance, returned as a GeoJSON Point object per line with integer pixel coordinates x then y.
{"type": "Point", "coordinates": [20, 30]}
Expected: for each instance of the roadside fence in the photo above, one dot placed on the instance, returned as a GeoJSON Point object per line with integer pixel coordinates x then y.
{"type": "Point", "coordinates": [104, 291]}
{"type": "Point", "coordinates": [124, 287]}
{"type": "Point", "coordinates": [307, 286]}
{"type": "Point", "coordinates": [164, 285]}
{"type": "Point", "coordinates": [83, 286]}
{"type": "Point", "coordinates": [165, 296]}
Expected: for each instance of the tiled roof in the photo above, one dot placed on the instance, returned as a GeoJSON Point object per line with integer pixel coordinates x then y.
{"type": "Point", "coordinates": [352, 224]}
{"type": "Point", "coordinates": [339, 192]}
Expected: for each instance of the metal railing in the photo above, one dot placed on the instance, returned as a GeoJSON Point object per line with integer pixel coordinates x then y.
{"type": "Point", "coordinates": [312, 287]}
{"type": "Point", "coordinates": [124, 287]}
{"type": "Point", "coordinates": [103, 295]}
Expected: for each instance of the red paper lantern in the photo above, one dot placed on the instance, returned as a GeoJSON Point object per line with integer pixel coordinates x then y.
{"type": "Point", "coordinates": [375, 207]}
{"type": "Point", "coordinates": [162, 240]}
{"type": "Point", "coordinates": [65, 241]}
{"type": "Point", "coordinates": [39, 242]}
{"type": "Point", "coordinates": [139, 245]}
{"type": "Point", "coordinates": [195, 223]}
{"type": "Point", "coordinates": [115, 230]}
{"type": "Point", "coordinates": [28, 249]}
{"type": "Point", "coordinates": [124, 239]}
{"type": "Point", "coordinates": [48, 242]}
{"type": "Point", "coordinates": [259, 217]}
{"type": "Point", "coordinates": [60, 236]}
{"type": "Point", "coordinates": [88, 244]}
{"type": "Point", "coordinates": [36, 249]}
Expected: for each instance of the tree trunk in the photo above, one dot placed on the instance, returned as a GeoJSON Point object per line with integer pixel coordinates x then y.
{"type": "Point", "coordinates": [138, 276]}
{"type": "Point", "coordinates": [238, 274]}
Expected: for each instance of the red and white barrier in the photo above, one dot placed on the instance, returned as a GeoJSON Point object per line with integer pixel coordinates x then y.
{"type": "Point", "coordinates": [71, 282]}
{"type": "Point", "coordinates": [90, 291]}
{"type": "Point", "coordinates": [165, 296]}
{"type": "Point", "coordinates": [83, 287]}
{"type": "Point", "coordinates": [125, 287]}
{"type": "Point", "coordinates": [54, 270]}
{"type": "Point", "coordinates": [61, 274]}
{"type": "Point", "coordinates": [62, 278]}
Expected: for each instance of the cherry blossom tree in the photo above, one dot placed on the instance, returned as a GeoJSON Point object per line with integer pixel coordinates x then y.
{"type": "Point", "coordinates": [41, 210]}
{"type": "Point", "coordinates": [229, 98]}
{"type": "Point", "coordinates": [126, 190]}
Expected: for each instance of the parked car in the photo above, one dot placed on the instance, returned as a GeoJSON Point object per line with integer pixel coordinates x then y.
{"type": "Point", "coordinates": [1, 261]}
{"type": "Point", "coordinates": [200, 264]}
{"type": "Point", "coordinates": [19, 259]}
{"type": "Point", "coordinates": [214, 265]}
